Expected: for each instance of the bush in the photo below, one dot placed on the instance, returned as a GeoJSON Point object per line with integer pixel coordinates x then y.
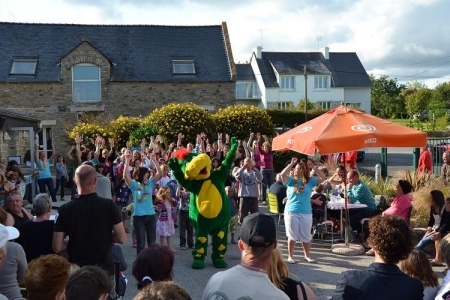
{"type": "Point", "coordinates": [121, 129]}
{"type": "Point", "coordinates": [88, 131]}
{"type": "Point", "coordinates": [144, 131]}
{"type": "Point", "coordinates": [187, 118]}
{"type": "Point", "coordinates": [280, 159]}
{"type": "Point", "coordinates": [240, 120]}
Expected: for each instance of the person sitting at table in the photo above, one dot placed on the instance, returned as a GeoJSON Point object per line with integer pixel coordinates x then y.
{"type": "Point", "coordinates": [359, 192]}
{"type": "Point", "coordinates": [392, 242]}
{"type": "Point", "coordinates": [435, 233]}
{"type": "Point", "coordinates": [14, 205]}
{"type": "Point", "coordinates": [402, 204]}
{"type": "Point", "coordinates": [319, 203]}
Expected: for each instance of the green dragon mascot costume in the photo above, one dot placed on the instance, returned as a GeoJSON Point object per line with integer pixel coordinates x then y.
{"type": "Point", "coordinates": [209, 207]}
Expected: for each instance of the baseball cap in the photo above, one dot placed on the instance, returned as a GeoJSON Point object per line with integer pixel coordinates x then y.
{"type": "Point", "coordinates": [7, 233]}
{"type": "Point", "coordinates": [258, 230]}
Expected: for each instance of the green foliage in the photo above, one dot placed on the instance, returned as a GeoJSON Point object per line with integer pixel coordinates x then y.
{"type": "Point", "coordinates": [301, 105]}
{"type": "Point", "coordinates": [442, 94]}
{"type": "Point", "coordinates": [384, 187]}
{"type": "Point", "coordinates": [281, 159]}
{"type": "Point", "coordinates": [187, 118]}
{"type": "Point", "coordinates": [290, 118]}
{"type": "Point", "coordinates": [121, 129]}
{"type": "Point", "coordinates": [88, 131]}
{"type": "Point", "coordinates": [144, 131]}
{"type": "Point", "coordinates": [386, 99]}
{"type": "Point", "coordinates": [240, 120]}
{"type": "Point", "coordinates": [418, 101]}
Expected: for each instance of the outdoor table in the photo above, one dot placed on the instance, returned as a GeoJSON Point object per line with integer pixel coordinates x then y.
{"type": "Point", "coordinates": [338, 203]}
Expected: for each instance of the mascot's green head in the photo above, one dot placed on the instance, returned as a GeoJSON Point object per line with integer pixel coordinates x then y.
{"type": "Point", "coordinates": [195, 166]}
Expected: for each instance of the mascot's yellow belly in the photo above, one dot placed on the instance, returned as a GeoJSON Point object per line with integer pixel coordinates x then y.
{"type": "Point", "coordinates": [209, 200]}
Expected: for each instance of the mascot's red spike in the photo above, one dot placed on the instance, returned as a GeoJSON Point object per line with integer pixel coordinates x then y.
{"type": "Point", "coordinates": [181, 153]}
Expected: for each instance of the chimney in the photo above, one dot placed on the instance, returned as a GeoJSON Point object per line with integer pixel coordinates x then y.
{"type": "Point", "coordinates": [326, 53]}
{"type": "Point", "coordinates": [257, 51]}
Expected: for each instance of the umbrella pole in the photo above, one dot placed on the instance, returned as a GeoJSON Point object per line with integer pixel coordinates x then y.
{"type": "Point", "coordinates": [347, 227]}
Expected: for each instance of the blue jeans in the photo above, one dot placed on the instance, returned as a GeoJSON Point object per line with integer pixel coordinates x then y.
{"type": "Point", "coordinates": [143, 224]}
{"type": "Point", "coordinates": [60, 182]}
{"type": "Point", "coordinates": [268, 179]}
{"type": "Point", "coordinates": [424, 242]}
{"type": "Point", "coordinates": [49, 183]}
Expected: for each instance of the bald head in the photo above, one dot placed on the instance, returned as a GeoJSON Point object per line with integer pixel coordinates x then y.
{"type": "Point", "coordinates": [85, 179]}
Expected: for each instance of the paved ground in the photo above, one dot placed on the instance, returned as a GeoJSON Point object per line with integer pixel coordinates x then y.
{"type": "Point", "coordinates": [321, 276]}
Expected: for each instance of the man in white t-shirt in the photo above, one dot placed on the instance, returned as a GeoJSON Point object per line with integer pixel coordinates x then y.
{"type": "Point", "coordinates": [249, 280]}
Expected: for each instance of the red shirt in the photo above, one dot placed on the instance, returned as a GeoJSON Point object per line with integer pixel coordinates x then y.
{"type": "Point", "coordinates": [425, 162]}
{"type": "Point", "coordinates": [350, 159]}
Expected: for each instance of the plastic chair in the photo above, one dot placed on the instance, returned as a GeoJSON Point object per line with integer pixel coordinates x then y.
{"type": "Point", "coordinates": [326, 227]}
{"type": "Point", "coordinates": [273, 206]}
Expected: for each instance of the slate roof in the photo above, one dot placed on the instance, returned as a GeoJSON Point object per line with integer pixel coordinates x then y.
{"type": "Point", "coordinates": [245, 72]}
{"type": "Point", "coordinates": [345, 68]}
{"type": "Point", "coordinates": [139, 52]}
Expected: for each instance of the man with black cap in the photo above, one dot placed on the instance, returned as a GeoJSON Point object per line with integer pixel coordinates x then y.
{"type": "Point", "coordinates": [249, 280]}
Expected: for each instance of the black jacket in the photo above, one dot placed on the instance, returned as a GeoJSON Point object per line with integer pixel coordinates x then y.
{"type": "Point", "coordinates": [378, 281]}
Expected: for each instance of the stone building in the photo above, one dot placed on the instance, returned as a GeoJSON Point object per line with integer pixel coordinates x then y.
{"type": "Point", "coordinates": [56, 73]}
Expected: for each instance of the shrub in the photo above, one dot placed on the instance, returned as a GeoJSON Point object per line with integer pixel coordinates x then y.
{"type": "Point", "coordinates": [144, 131]}
{"type": "Point", "coordinates": [87, 131]}
{"type": "Point", "coordinates": [187, 118]}
{"type": "Point", "coordinates": [240, 120]}
{"type": "Point", "coordinates": [120, 129]}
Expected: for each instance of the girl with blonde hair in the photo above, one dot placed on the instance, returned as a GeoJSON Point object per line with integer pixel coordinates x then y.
{"type": "Point", "coordinates": [166, 205]}
{"type": "Point", "coordinates": [278, 273]}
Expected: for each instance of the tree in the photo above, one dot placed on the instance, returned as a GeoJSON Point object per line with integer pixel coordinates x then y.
{"type": "Point", "coordinates": [418, 101]}
{"type": "Point", "coordinates": [442, 94]}
{"type": "Point", "coordinates": [416, 85]}
{"type": "Point", "coordinates": [386, 99]}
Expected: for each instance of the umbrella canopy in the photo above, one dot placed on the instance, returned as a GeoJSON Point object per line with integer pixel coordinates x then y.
{"type": "Point", "coordinates": [344, 129]}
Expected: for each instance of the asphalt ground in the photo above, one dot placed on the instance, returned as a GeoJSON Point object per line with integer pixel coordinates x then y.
{"type": "Point", "coordinates": [321, 276]}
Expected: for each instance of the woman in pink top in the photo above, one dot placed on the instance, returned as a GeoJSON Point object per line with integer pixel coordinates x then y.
{"type": "Point", "coordinates": [266, 157]}
{"type": "Point", "coordinates": [402, 204]}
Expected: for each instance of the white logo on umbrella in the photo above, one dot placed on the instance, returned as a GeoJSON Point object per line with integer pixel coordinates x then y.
{"type": "Point", "coordinates": [363, 127]}
{"type": "Point", "coordinates": [304, 129]}
{"type": "Point", "coordinates": [290, 141]}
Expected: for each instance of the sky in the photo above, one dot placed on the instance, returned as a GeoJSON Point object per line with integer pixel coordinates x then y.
{"type": "Point", "coordinates": [404, 39]}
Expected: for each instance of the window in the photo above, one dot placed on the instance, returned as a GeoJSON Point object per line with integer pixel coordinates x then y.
{"type": "Point", "coordinates": [247, 90]}
{"type": "Point", "coordinates": [287, 83]}
{"type": "Point", "coordinates": [23, 67]}
{"type": "Point", "coordinates": [320, 83]}
{"type": "Point", "coordinates": [45, 140]}
{"type": "Point", "coordinates": [86, 85]}
{"type": "Point", "coordinates": [183, 67]}
{"type": "Point", "coordinates": [283, 105]}
{"type": "Point", "coordinates": [353, 105]}
{"type": "Point", "coordinates": [326, 105]}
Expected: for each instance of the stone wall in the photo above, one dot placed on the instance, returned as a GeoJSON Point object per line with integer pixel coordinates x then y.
{"type": "Point", "coordinates": [17, 145]}
{"type": "Point", "coordinates": [49, 101]}
{"type": "Point", "coordinates": [53, 100]}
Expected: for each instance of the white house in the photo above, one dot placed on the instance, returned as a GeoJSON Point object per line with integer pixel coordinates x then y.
{"type": "Point", "coordinates": [278, 79]}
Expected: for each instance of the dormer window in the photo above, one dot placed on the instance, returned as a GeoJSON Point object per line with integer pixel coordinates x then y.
{"type": "Point", "coordinates": [183, 67]}
{"type": "Point", "coordinates": [86, 85]}
{"type": "Point", "coordinates": [23, 67]}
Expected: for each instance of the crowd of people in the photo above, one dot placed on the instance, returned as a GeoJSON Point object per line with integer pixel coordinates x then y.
{"type": "Point", "coordinates": [132, 190]}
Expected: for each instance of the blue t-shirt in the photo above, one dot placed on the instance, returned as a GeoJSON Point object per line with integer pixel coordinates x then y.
{"type": "Point", "coordinates": [299, 203]}
{"type": "Point", "coordinates": [144, 207]}
{"type": "Point", "coordinates": [44, 172]}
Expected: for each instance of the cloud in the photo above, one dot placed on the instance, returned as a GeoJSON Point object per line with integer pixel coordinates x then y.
{"type": "Point", "coordinates": [385, 34]}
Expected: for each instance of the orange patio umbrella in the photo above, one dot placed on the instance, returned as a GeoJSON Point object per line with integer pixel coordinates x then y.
{"type": "Point", "coordinates": [344, 129]}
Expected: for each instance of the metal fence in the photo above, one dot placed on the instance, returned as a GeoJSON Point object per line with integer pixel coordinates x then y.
{"type": "Point", "coordinates": [401, 161]}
